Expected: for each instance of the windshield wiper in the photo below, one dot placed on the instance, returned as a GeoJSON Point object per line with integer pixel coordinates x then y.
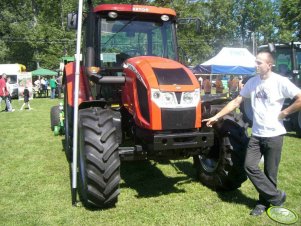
{"type": "Point", "coordinates": [124, 26]}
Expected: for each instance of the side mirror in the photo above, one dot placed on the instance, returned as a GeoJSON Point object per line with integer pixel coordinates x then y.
{"type": "Point", "coordinates": [189, 20]}
{"type": "Point", "coordinates": [72, 21]}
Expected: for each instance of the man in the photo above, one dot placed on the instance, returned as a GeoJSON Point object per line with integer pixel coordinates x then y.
{"type": "Point", "coordinates": [4, 94]}
{"type": "Point", "coordinates": [59, 81]}
{"type": "Point", "coordinates": [207, 85]}
{"type": "Point", "coordinates": [267, 92]}
{"type": "Point", "coordinates": [52, 84]}
{"type": "Point", "coordinates": [2, 88]}
{"type": "Point", "coordinates": [219, 85]}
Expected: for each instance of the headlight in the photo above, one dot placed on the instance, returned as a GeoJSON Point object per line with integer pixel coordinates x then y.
{"type": "Point", "coordinates": [163, 99]}
{"type": "Point", "coordinates": [169, 99]}
{"type": "Point", "coordinates": [190, 99]}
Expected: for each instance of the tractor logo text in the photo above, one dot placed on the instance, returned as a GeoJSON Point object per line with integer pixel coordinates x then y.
{"type": "Point", "coordinates": [132, 68]}
{"type": "Point", "coordinates": [140, 9]}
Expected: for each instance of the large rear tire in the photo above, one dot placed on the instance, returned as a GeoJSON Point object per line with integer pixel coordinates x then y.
{"type": "Point", "coordinates": [54, 116]}
{"type": "Point", "coordinates": [247, 112]}
{"type": "Point", "coordinates": [221, 168]}
{"type": "Point", "coordinates": [99, 163]}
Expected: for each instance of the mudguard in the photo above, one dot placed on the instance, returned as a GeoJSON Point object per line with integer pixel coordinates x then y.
{"type": "Point", "coordinates": [84, 88]}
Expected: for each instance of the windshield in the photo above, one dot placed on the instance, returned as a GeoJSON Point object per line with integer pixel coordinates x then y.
{"type": "Point", "coordinates": [122, 39]}
{"type": "Point", "coordinates": [284, 62]}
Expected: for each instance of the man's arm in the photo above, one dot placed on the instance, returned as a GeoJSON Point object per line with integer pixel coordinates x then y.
{"type": "Point", "coordinates": [296, 106]}
{"type": "Point", "coordinates": [232, 105]}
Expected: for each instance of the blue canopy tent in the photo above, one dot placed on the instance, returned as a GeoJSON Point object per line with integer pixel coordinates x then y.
{"type": "Point", "coordinates": [235, 61]}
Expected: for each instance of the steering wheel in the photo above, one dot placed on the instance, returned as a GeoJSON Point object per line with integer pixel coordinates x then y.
{"type": "Point", "coordinates": [133, 52]}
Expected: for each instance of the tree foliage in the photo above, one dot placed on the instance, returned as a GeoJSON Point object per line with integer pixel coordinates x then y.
{"type": "Point", "coordinates": [33, 32]}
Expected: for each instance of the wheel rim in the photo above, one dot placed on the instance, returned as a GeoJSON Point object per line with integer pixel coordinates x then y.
{"type": "Point", "coordinates": [56, 130]}
{"type": "Point", "coordinates": [210, 161]}
{"type": "Point", "coordinates": [208, 164]}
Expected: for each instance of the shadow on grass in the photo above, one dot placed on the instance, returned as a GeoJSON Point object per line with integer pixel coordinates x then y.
{"type": "Point", "coordinates": [237, 197]}
{"type": "Point", "coordinates": [149, 181]}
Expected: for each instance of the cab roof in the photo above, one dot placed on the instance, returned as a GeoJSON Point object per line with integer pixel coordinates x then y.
{"type": "Point", "coordinates": [134, 9]}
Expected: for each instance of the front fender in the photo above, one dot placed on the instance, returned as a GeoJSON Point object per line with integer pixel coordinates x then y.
{"type": "Point", "coordinates": [84, 87]}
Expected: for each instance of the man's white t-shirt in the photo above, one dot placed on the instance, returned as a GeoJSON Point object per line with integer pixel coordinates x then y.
{"type": "Point", "coordinates": [267, 97]}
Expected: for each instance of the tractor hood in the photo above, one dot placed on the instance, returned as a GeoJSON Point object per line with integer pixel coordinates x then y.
{"type": "Point", "coordinates": [160, 93]}
{"type": "Point", "coordinates": [161, 73]}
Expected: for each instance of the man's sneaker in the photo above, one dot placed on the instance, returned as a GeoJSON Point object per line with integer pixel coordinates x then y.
{"type": "Point", "coordinates": [281, 201]}
{"type": "Point", "coordinates": [258, 210]}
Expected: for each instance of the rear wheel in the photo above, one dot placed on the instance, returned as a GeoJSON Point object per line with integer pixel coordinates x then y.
{"type": "Point", "coordinates": [55, 116]}
{"type": "Point", "coordinates": [221, 168]}
{"type": "Point", "coordinates": [246, 110]}
{"type": "Point", "coordinates": [99, 163]}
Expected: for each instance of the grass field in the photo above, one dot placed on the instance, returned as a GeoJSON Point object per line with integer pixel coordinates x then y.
{"type": "Point", "coordinates": [35, 183]}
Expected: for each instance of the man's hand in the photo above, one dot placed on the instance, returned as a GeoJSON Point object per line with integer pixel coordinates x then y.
{"type": "Point", "coordinates": [210, 121]}
{"type": "Point", "coordinates": [282, 115]}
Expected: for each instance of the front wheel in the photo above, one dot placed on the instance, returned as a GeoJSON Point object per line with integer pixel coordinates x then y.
{"type": "Point", "coordinates": [99, 163]}
{"type": "Point", "coordinates": [221, 167]}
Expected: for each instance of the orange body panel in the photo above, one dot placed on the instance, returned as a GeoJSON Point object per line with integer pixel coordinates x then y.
{"type": "Point", "coordinates": [84, 91]}
{"type": "Point", "coordinates": [141, 68]}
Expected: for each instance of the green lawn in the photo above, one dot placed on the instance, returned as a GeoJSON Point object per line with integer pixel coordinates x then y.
{"type": "Point", "coordinates": [35, 183]}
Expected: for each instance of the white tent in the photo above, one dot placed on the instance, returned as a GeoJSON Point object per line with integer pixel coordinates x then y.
{"type": "Point", "coordinates": [229, 61]}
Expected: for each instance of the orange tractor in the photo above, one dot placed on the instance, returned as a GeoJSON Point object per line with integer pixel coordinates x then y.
{"type": "Point", "coordinates": [136, 101]}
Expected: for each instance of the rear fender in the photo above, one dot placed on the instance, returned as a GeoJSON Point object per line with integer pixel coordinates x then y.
{"type": "Point", "coordinates": [84, 87]}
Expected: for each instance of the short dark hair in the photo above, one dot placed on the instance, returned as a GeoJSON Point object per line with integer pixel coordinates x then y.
{"type": "Point", "coordinates": [269, 55]}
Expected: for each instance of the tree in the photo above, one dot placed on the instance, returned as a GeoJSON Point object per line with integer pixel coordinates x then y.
{"type": "Point", "coordinates": [33, 34]}
{"type": "Point", "coordinates": [290, 20]}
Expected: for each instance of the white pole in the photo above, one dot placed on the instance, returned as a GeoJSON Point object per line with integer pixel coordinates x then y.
{"type": "Point", "coordinates": [76, 91]}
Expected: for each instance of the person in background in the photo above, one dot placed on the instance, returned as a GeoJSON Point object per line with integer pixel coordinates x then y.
{"type": "Point", "coordinates": [267, 92]}
{"type": "Point", "coordinates": [26, 99]}
{"type": "Point", "coordinates": [4, 94]}
{"type": "Point", "coordinates": [233, 86]}
{"type": "Point", "coordinates": [43, 84]}
{"type": "Point", "coordinates": [219, 85]}
{"type": "Point", "coordinates": [37, 84]}
{"type": "Point", "coordinates": [207, 85]}
{"type": "Point", "coordinates": [59, 81]}
{"type": "Point", "coordinates": [53, 85]}
{"type": "Point", "coordinates": [240, 83]}
{"type": "Point", "coordinates": [2, 89]}
{"type": "Point", "coordinates": [200, 79]}
{"type": "Point", "coordinates": [9, 93]}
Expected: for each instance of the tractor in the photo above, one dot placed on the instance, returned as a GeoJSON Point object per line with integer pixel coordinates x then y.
{"type": "Point", "coordinates": [136, 101]}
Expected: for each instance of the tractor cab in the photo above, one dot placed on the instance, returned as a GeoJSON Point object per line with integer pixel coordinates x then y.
{"type": "Point", "coordinates": [115, 33]}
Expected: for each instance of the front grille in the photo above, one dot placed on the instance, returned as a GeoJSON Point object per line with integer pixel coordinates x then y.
{"type": "Point", "coordinates": [180, 118]}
